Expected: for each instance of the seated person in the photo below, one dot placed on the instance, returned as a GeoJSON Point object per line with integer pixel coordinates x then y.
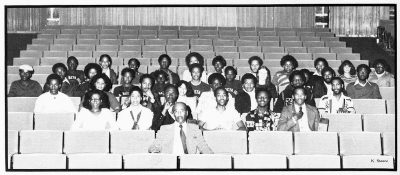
{"type": "Point", "coordinates": [68, 87]}
{"type": "Point", "coordinates": [90, 71]}
{"type": "Point", "coordinates": [190, 59]}
{"type": "Point", "coordinates": [54, 101]}
{"type": "Point", "coordinates": [103, 83]}
{"type": "Point", "coordinates": [347, 72]}
{"type": "Point", "coordinates": [105, 62]}
{"type": "Point", "coordinates": [219, 63]}
{"type": "Point", "coordinates": [163, 115]}
{"type": "Point", "coordinates": [134, 64]}
{"type": "Point", "coordinates": [264, 81]}
{"type": "Point", "coordinates": [262, 118]}
{"type": "Point", "coordinates": [285, 98]}
{"type": "Point", "coordinates": [255, 62]}
{"type": "Point", "coordinates": [207, 99]}
{"type": "Point", "coordinates": [126, 87]}
{"type": "Point", "coordinates": [198, 86]}
{"type": "Point", "coordinates": [161, 81]}
{"type": "Point", "coordinates": [95, 114]}
{"type": "Point", "coordinates": [25, 87]}
{"type": "Point", "coordinates": [180, 137]}
{"type": "Point", "coordinates": [362, 88]}
{"type": "Point", "coordinates": [380, 75]}
{"type": "Point", "coordinates": [246, 101]}
{"type": "Point", "coordinates": [232, 85]}
{"type": "Point", "coordinates": [324, 87]}
{"type": "Point", "coordinates": [309, 83]}
{"type": "Point", "coordinates": [149, 100]}
{"type": "Point", "coordinates": [299, 116]}
{"type": "Point", "coordinates": [281, 78]}
{"type": "Point", "coordinates": [319, 64]}
{"type": "Point", "coordinates": [186, 95]}
{"type": "Point", "coordinates": [221, 117]}
{"type": "Point", "coordinates": [136, 116]}
{"type": "Point", "coordinates": [337, 102]}
{"type": "Point", "coordinates": [165, 61]}
{"type": "Point", "coordinates": [72, 73]}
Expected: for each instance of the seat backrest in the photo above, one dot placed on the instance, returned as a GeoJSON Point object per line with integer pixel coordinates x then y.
{"type": "Point", "coordinates": [54, 121]}
{"type": "Point", "coordinates": [21, 104]}
{"type": "Point", "coordinates": [387, 92]}
{"type": "Point", "coordinates": [20, 121]}
{"type": "Point", "coordinates": [130, 142]}
{"type": "Point", "coordinates": [389, 144]}
{"type": "Point", "coordinates": [360, 143]}
{"type": "Point", "coordinates": [391, 106]}
{"type": "Point", "coordinates": [370, 106]}
{"type": "Point", "coordinates": [344, 122]}
{"type": "Point", "coordinates": [276, 142]}
{"type": "Point", "coordinates": [86, 142]}
{"type": "Point", "coordinates": [41, 141]}
{"type": "Point", "coordinates": [12, 142]}
{"type": "Point", "coordinates": [316, 143]}
{"type": "Point", "coordinates": [231, 142]}
{"type": "Point", "coordinates": [379, 122]}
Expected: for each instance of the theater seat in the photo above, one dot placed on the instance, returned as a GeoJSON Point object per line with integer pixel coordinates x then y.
{"type": "Point", "coordinates": [86, 142]}
{"type": "Point", "coordinates": [12, 142]}
{"type": "Point", "coordinates": [277, 142]}
{"type": "Point", "coordinates": [379, 122]}
{"type": "Point", "coordinates": [39, 161]}
{"type": "Point", "coordinates": [314, 162]}
{"type": "Point", "coordinates": [369, 106]}
{"type": "Point", "coordinates": [367, 162]}
{"type": "Point", "coordinates": [129, 142]}
{"type": "Point", "coordinates": [389, 145]}
{"type": "Point", "coordinates": [314, 143]}
{"type": "Point", "coordinates": [344, 122]}
{"type": "Point", "coordinates": [387, 92]}
{"type": "Point", "coordinates": [360, 143]}
{"type": "Point", "coordinates": [54, 121]}
{"type": "Point", "coordinates": [21, 104]}
{"type": "Point", "coordinates": [205, 161]}
{"type": "Point", "coordinates": [41, 141]}
{"type": "Point", "coordinates": [94, 161]}
{"type": "Point", "coordinates": [391, 106]}
{"type": "Point", "coordinates": [20, 121]}
{"type": "Point", "coordinates": [219, 141]}
{"type": "Point", "coordinates": [259, 161]}
{"type": "Point", "coordinates": [150, 161]}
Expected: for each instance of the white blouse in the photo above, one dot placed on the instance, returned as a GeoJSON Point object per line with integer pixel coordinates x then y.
{"type": "Point", "coordinates": [86, 120]}
{"type": "Point", "coordinates": [126, 119]}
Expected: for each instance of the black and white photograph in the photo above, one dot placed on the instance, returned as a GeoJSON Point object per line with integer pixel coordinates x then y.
{"type": "Point", "coordinates": [185, 87]}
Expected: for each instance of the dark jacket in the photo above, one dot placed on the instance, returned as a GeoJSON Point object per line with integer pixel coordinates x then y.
{"type": "Point", "coordinates": [285, 98]}
{"type": "Point", "coordinates": [159, 119]}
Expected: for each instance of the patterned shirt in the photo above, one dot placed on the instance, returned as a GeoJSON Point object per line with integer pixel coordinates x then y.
{"type": "Point", "coordinates": [258, 121]}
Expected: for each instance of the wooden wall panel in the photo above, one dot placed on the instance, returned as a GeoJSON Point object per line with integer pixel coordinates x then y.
{"type": "Point", "coordinates": [356, 20]}
{"type": "Point", "coordinates": [26, 19]}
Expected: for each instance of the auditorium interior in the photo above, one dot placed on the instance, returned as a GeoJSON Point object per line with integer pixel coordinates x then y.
{"type": "Point", "coordinates": [38, 38]}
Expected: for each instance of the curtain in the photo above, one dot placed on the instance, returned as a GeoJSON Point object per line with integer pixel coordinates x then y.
{"type": "Point", "coordinates": [295, 17]}
{"type": "Point", "coordinates": [26, 19]}
{"type": "Point", "coordinates": [356, 20]}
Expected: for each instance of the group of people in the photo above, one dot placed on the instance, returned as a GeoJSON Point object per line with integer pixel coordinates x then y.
{"type": "Point", "coordinates": [199, 100]}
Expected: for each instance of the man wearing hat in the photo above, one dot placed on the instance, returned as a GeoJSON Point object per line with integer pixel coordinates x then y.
{"type": "Point", "coordinates": [25, 87]}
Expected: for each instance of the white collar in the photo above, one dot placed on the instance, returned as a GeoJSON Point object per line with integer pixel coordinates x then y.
{"type": "Point", "coordinates": [363, 85]}
{"type": "Point", "coordinates": [380, 75]}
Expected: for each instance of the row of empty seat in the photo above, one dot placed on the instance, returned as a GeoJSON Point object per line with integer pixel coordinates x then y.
{"type": "Point", "coordinates": [103, 150]}
{"type": "Point", "coordinates": [337, 122]}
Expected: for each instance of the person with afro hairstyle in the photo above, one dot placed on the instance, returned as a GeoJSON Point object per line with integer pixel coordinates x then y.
{"type": "Point", "coordinates": [89, 71]}
{"type": "Point", "coordinates": [134, 64]}
{"type": "Point", "coordinates": [347, 72]}
{"type": "Point", "coordinates": [285, 98]}
{"type": "Point", "coordinates": [380, 75]}
{"type": "Point", "coordinates": [161, 82]}
{"type": "Point", "coordinates": [281, 78]}
{"type": "Point", "coordinates": [72, 73]}
{"type": "Point", "coordinates": [149, 99]}
{"type": "Point", "coordinates": [309, 83]}
{"type": "Point", "coordinates": [362, 88]}
{"type": "Point", "coordinates": [190, 59]}
{"type": "Point", "coordinates": [197, 84]}
{"type": "Point", "coordinates": [255, 62]}
{"type": "Point", "coordinates": [245, 100]}
{"type": "Point", "coordinates": [319, 64]}
{"type": "Point", "coordinates": [165, 61]}
{"type": "Point", "coordinates": [103, 83]}
{"type": "Point", "coordinates": [219, 64]}
{"type": "Point", "coordinates": [124, 90]}
{"type": "Point", "coordinates": [67, 87]}
{"type": "Point", "coordinates": [207, 99]}
{"type": "Point", "coordinates": [95, 114]}
{"type": "Point", "coordinates": [105, 62]}
{"type": "Point", "coordinates": [54, 101]}
{"type": "Point", "coordinates": [324, 87]}
{"type": "Point", "coordinates": [232, 85]}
